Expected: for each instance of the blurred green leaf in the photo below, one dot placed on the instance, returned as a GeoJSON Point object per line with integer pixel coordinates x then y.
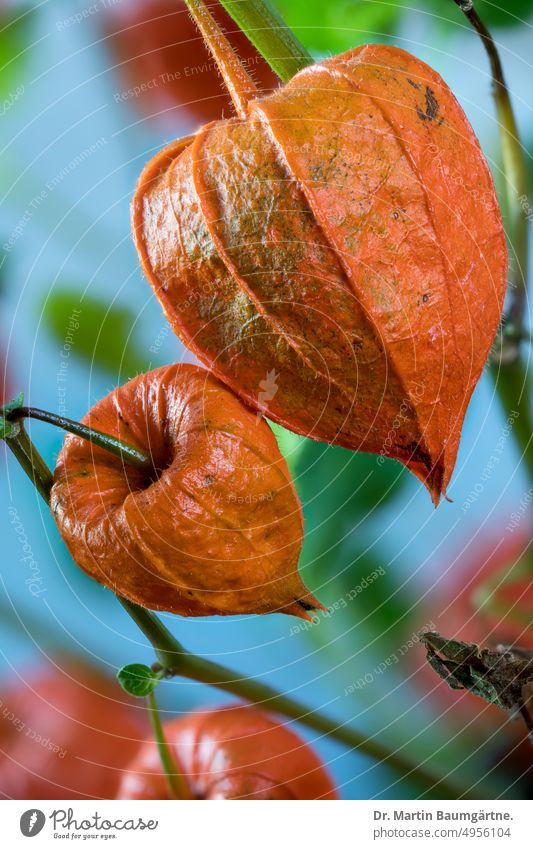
{"type": "Point", "coordinates": [137, 679]}
{"type": "Point", "coordinates": [337, 25]}
{"type": "Point", "coordinates": [342, 492]}
{"type": "Point", "coordinates": [290, 444]}
{"type": "Point", "coordinates": [497, 15]}
{"type": "Point", "coordinates": [100, 334]}
{"type": "Point", "coordinates": [15, 39]}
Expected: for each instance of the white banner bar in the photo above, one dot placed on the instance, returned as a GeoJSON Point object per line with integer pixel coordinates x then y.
{"type": "Point", "coordinates": [359, 824]}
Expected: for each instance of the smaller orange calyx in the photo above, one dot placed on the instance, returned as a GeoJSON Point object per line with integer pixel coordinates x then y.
{"type": "Point", "coordinates": [234, 752]}
{"type": "Point", "coordinates": [216, 529]}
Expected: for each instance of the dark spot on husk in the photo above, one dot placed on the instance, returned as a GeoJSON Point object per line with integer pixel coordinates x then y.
{"type": "Point", "coordinates": [432, 107]}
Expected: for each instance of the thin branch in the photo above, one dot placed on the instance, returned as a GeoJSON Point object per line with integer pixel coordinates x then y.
{"type": "Point", "coordinates": [188, 665]}
{"type": "Point", "coordinates": [516, 183]}
{"type": "Point", "coordinates": [176, 781]}
{"type": "Point", "coordinates": [128, 453]}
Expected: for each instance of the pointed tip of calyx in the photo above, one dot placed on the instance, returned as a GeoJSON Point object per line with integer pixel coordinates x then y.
{"type": "Point", "coordinates": [305, 608]}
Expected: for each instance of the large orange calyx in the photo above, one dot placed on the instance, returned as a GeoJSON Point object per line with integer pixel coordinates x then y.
{"type": "Point", "coordinates": [344, 234]}
{"type": "Point", "coordinates": [231, 753]}
{"type": "Point", "coordinates": [217, 528]}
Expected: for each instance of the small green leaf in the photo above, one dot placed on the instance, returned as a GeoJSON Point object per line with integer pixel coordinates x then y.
{"type": "Point", "coordinates": [14, 404]}
{"type": "Point", "coordinates": [10, 429]}
{"type": "Point", "coordinates": [7, 429]}
{"type": "Point", "coordinates": [137, 679]}
{"type": "Point", "coordinates": [15, 41]}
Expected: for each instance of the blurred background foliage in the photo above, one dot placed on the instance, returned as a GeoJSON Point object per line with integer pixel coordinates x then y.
{"type": "Point", "coordinates": [330, 27]}
{"type": "Point", "coordinates": [74, 139]}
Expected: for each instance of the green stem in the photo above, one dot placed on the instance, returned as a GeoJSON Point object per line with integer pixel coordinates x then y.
{"type": "Point", "coordinates": [485, 596]}
{"type": "Point", "coordinates": [31, 461]}
{"type": "Point", "coordinates": [168, 650]}
{"type": "Point", "coordinates": [265, 28]}
{"type": "Point", "coordinates": [175, 660]}
{"type": "Point", "coordinates": [188, 665]}
{"type": "Point", "coordinates": [133, 456]}
{"type": "Point", "coordinates": [177, 784]}
{"type": "Point", "coordinates": [40, 632]}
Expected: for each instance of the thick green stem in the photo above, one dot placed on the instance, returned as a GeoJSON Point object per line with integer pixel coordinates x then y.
{"type": "Point", "coordinates": [188, 665]}
{"type": "Point", "coordinates": [128, 453]}
{"type": "Point", "coordinates": [177, 785]}
{"type": "Point", "coordinates": [270, 35]}
{"type": "Point", "coordinates": [31, 461]}
{"type": "Point", "coordinates": [168, 650]}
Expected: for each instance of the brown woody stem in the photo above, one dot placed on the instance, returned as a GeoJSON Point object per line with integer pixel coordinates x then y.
{"type": "Point", "coordinates": [239, 83]}
{"type": "Point", "coordinates": [509, 370]}
{"type": "Point", "coordinates": [516, 187]}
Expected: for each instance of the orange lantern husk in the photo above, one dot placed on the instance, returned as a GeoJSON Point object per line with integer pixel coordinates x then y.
{"type": "Point", "coordinates": [344, 232]}
{"type": "Point", "coordinates": [231, 753]}
{"type": "Point", "coordinates": [216, 528]}
{"type": "Point", "coordinates": [65, 733]}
